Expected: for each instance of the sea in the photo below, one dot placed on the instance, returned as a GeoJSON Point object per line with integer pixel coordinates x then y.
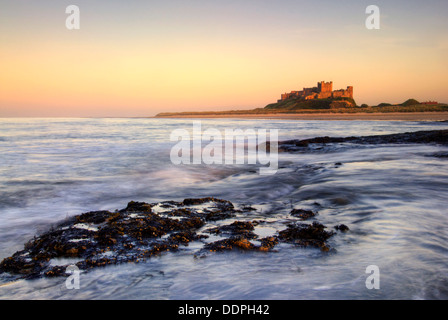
{"type": "Point", "coordinates": [392, 197]}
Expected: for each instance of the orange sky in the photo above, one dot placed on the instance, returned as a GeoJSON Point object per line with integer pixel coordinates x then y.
{"type": "Point", "coordinates": [138, 60]}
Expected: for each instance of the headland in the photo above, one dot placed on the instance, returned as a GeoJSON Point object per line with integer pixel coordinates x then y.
{"type": "Point", "coordinates": [323, 103]}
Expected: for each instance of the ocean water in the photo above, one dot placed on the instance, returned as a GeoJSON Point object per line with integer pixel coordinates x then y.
{"type": "Point", "coordinates": [392, 197]}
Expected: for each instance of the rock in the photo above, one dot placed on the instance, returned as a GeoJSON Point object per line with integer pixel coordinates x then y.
{"type": "Point", "coordinates": [134, 206]}
{"type": "Point", "coordinates": [184, 237]}
{"type": "Point", "coordinates": [219, 215]}
{"type": "Point", "coordinates": [248, 208]}
{"type": "Point", "coordinates": [136, 233]}
{"type": "Point", "coordinates": [302, 214]}
{"type": "Point", "coordinates": [337, 164]}
{"type": "Point", "coordinates": [306, 235]}
{"type": "Point", "coordinates": [230, 244]}
{"type": "Point", "coordinates": [441, 155]}
{"type": "Point", "coordinates": [219, 202]}
{"type": "Point", "coordinates": [341, 227]}
{"type": "Point", "coordinates": [95, 217]}
{"type": "Point", "coordinates": [100, 238]}
{"type": "Point", "coordinates": [431, 136]}
{"type": "Point", "coordinates": [268, 243]}
{"type": "Point", "coordinates": [237, 228]}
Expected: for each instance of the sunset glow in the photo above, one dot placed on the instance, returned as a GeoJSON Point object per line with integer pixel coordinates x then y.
{"type": "Point", "coordinates": [138, 59]}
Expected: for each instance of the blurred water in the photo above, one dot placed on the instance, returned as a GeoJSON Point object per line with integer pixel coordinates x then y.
{"type": "Point", "coordinates": [393, 198]}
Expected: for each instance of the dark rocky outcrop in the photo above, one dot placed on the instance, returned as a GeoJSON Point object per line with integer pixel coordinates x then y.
{"type": "Point", "coordinates": [100, 238]}
{"type": "Point", "coordinates": [432, 136]}
{"type": "Point", "coordinates": [237, 228]}
{"type": "Point", "coordinates": [302, 213]}
{"type": "Point", "coordinates": [342, 227]}
{"type": "Point", "coordinates": [306, 235]}
{"type": "Point", "coordinates": [142, 230]}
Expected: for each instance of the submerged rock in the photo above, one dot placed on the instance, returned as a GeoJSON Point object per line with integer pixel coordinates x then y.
{"type": "Point", "coordinates": [241, 243]}
{"type": "Point", "coordinates": [342, 227]}
{"type": "Point", "coordinates": [302, 213]}
{"type": "Point", "coordinates": [442, 155]}
{"type": "Point", "coordinates": [237, 228]}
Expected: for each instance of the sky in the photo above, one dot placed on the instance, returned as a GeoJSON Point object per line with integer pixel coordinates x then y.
{"type": "Point", "coordinates": [138, 58]}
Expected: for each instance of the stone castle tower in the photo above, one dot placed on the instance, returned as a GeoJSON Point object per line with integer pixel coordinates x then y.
{"type": "Point", "coordinates": [325, 86]}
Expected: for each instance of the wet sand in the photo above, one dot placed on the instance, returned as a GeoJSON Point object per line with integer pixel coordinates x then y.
{"type": "Point", "coordinates": [399, 116]}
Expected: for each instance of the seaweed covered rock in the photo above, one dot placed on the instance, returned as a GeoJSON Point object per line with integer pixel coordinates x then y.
{"type": "Point", "coordinates": [238, 242]}
{"type": "Point", "coordinates": [306, 235]}
{"type": "Point", "coordinates": [302, 213]}
{"type": "Point", "coordinates": [427, 137]}
{"type": "Point", "coordinates": [100, 238]}
{"type": "Point", "coordinates": [268, 243]}
{"type": "Point", "coordinates": [142, 230]}
{"type": "Point", "coordinates": [220, 203]}
{"type": "Point", "coordinates": [185, 237]}
{"type": "Point", "coordinates": [134, 206]}
{"type": "Point", "coordinates": [237, 228]}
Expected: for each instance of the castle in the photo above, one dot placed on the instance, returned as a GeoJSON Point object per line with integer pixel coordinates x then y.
{"type": "Point", "coordinates": [322, 91]}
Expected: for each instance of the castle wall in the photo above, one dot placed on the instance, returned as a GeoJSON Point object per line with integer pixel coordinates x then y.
{"type": "Point", "coordinates": [323, 95]}
{"type": "Point", "coordinates": [348, 93]}
{"type": "Point", "coordinates": [311, 96]}
{"type": "Point", "coordinates": [339, 94]}
{"type": "Point", "coordinates": [308, 91]}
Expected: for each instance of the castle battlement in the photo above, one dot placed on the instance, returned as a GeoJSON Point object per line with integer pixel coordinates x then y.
{"type": "Point", "coordinates": [323, 90]}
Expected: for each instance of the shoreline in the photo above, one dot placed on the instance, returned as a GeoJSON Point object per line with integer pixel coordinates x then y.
{"type": "Point", "coordinates": [397, 116]}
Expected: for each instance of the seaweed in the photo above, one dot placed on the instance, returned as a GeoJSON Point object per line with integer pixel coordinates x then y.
{"type": "Point", "coordinates": [302, 213]}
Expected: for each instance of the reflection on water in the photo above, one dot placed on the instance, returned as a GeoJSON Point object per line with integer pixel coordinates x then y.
{"type": "Point", "coordinates": [393, 198]}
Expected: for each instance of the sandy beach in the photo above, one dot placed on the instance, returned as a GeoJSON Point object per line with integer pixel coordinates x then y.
{"type": "Point", "coordinates": [399, 116]}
